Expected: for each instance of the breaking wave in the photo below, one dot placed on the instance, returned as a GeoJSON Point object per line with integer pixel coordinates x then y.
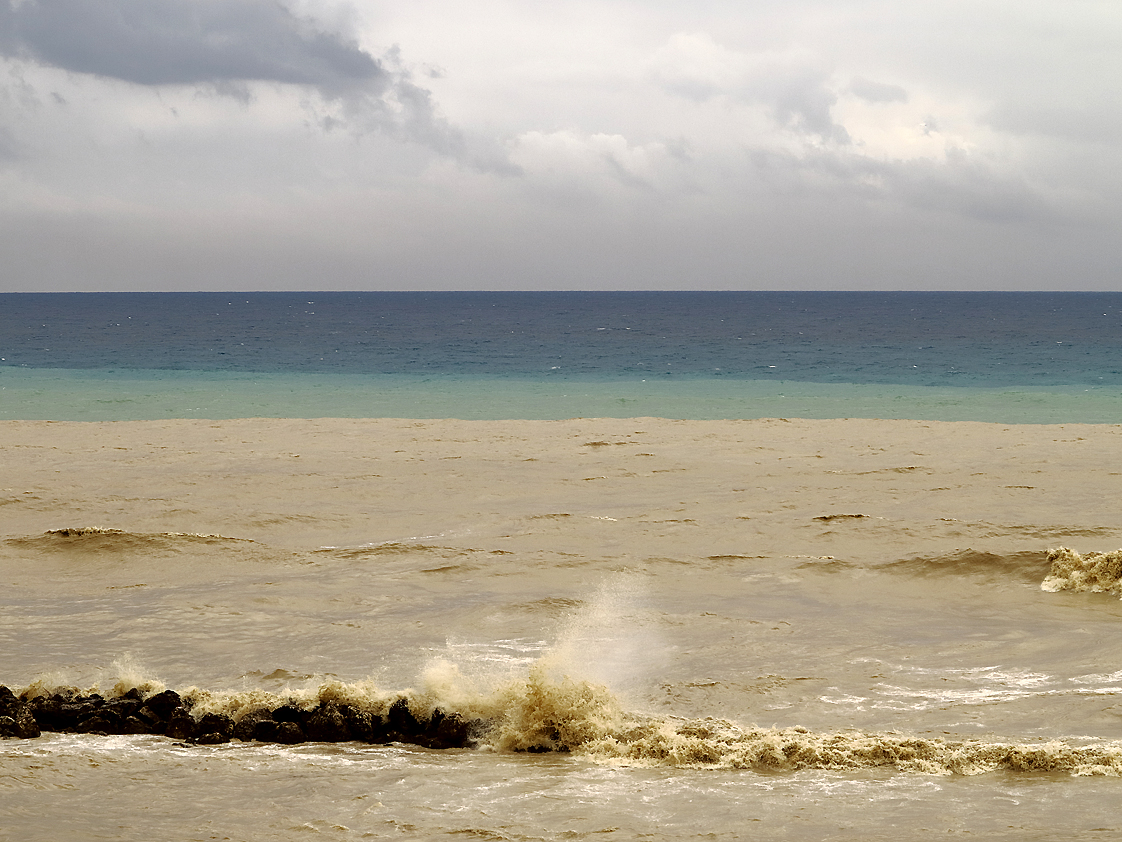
{"type": "Point", "coordinates": [1022, 565]}
{"type": "Point", "coordinates": [1093, 572]}
{"type": "Point", "coordinates": [95, 539]}
{"type": "Point", "coordinates": [546, 713]}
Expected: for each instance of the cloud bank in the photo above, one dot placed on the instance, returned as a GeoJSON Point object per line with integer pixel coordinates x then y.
{"type": "Point", "coordinates": [185, 42]}
{"type": "Point", "coordinates": [600, 144]}
{"type": "Point", "coordinates": [225, 45]}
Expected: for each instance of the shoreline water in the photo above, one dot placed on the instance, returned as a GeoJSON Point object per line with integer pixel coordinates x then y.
{"type": "Point", "coordinates": [138, 395]}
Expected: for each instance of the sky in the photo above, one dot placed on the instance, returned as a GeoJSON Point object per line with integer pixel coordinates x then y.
{"type": "Point", "coordinates": [587, 144]}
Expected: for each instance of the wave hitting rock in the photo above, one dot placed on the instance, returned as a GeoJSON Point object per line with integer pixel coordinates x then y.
{"type": "Point", "coordinates": [567, 716]}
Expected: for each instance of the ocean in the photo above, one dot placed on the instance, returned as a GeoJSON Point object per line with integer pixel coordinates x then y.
{"type": "Point", "coordinates": [790, 566]}
{"type": "Point", "coordinates": [1007, 357]}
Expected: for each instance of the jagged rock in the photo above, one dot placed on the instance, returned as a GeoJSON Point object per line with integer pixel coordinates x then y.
{"type": "Point", "coordinates": [26, 726]}
{"type": "Point", "coordinates": [181, 725]}
{"type": "Point", "coordinates": [213, 729]}
{"type": "Point", "coordinates": [97, 724]}
{"type": "Point", "coordinates": [163, 704]}
{"type": "Point", "coordinates": [121, 709]}
{"type": "Point", "coordinates": [246, 728]}
{"type": "Point", "coordinates": [327, 724]}
{"type": "Point", "coordinates": [289, 733]}
{"type": "Point", "coordinates": [18, 720]}
{"type": "Point", "coordinates": [72, 713]}
{"type": "Point", "coordinates": [363, 725]}
{"type": "Point", "coordinates": [136, 725]}
{"type": "Point", "coordinates": [450, 732]}
{"type": "Point", "coordinates": [152, 722]}
{"type": "Point", "coordinates": [268, 731]}
{"type": "Point", "coordinates": [215, 723]}
{"type": "Point", "coordinates": [45, 710]}
{"type": "Point", "coordinates": [166, 712]}
{"type": "Point", "coordinates": [290, 713]}
{"type": "Point", "coordinates": [21, 726]}
{"type": "Point", "coordinates": [402, 724]}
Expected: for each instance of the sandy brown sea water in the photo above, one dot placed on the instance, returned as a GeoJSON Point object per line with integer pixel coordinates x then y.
{"type": "Point", "coordinates": [737, 629]}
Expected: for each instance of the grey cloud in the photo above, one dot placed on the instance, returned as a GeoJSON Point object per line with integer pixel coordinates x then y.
{"type": "Point", "coordinates": [877, 91]}
{"type": "Point", "coordinates": [960, 186]}
{"type": "Point", "coordinates": [800, 100]}
{"type": "Point", "coordinates": [797, 96]}
{"type": "Point", "coordinates": [225, 45]}
{"type": "Point", "coordinates": [1080, 123]}
{"type": "Point", "coordinates": [8, 151]}
{"type": "Point", "coordinates": [184, 42]}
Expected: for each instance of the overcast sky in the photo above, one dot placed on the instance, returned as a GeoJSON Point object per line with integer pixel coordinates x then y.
{"type": "Point", "coordinates": [588, 144]}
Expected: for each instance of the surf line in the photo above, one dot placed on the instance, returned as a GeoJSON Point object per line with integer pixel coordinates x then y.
{"type": "Point", "coordinates": [169, 714]}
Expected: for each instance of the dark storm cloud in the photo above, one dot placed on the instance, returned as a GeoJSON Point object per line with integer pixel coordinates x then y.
{"type": "Point", "coordinates": [184, 42]}
{"type": "Point", "coordinates": [227, 44]}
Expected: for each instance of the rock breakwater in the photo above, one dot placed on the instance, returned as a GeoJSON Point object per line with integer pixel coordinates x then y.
{"type": "Point", "coordinates": [170, 714]}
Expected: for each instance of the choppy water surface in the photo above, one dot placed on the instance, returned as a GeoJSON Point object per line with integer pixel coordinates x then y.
{"type": "Point", "coordinates": [789, 630]}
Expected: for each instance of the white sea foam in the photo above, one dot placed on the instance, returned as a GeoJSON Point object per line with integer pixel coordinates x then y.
{"type": "Point", "coordinates": [1094, 572]}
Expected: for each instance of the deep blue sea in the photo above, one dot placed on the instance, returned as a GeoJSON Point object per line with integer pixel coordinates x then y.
{"type": "Point", "coordinates": [1009, 357]}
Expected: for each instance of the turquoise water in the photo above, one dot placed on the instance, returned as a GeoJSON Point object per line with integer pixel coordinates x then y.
{"type": "Point", "coordinates": [97, 395]}
{"type": "Point", "coordinates": [1007, 357]}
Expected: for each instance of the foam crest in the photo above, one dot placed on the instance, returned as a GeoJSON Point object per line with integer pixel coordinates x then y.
{"type": "Point", "coordinates": [97, 539]}
{"type": "Point", "coordinates": [121, 676]}
{"type": "Point", "coordinates": [544, 713]}
{"type": "Point", "coordinates": [711, 744]}
{"type": "Point", "coordinates": [363, 695]}
{"type": "Point", "coordinates": [1093, 572]}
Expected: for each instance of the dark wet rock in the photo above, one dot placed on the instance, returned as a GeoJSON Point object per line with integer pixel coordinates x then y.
{"type": "Point", "coordinates": [106, 719]}
{"type": "Point", "coordinates": [290, 713]}
{"type": "Point", "coordinates": [45, 710]}
{"type": "Point", "coordinates": [246, 727]}
{"type": "Point", "coordinates": [136, 725]}
{"type": "Point", "coordinates": [215, 723]}
{"type": "Point", "coordinates": [327, 724]}
{"type": "Point", "coordinates": [97, 725]}
{"type": "Point", "coordinates": [163, 704]}
{"type": "Point", "coordinates": [181, 725]}
{"type": "Point", "coordinates": [363, 725]}
{"type": "Point", "coordinates": [268, 731]}
{"type": "Point", "coordinates": [121, 709]}
{"type": "Point", "coordinates": [18, 723]}
{"type": "Point", "coordinates": [289, 733]}
{"type": "Point", "coordinates": [26, 726]}
{"type": "Point", "coordinates": [210, 738]}
{"type": "Point", "coordinates": [68, 710]}
{"type": "Point", "coordinates": [402, 724]}
{"type": "Point", "coordinates": [154, 723]}
{"type": "Point", "coordinates": [450, 732]}
{"type": "Point", "coordinates": [18, 717]}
